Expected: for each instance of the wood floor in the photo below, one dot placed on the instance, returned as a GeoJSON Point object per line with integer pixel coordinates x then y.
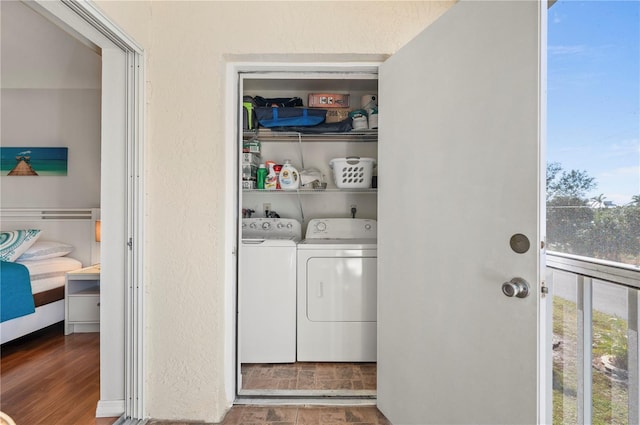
{"type": "Point", "coordinates": [47, 378]}
{"type": "Point", "coordinates": [50, 379]}
{"type": "Point", "coordinates": [297, 415]}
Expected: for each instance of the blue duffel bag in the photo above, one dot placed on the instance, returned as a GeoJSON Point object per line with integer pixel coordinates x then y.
{"type": "Point", "coordinates": [285, 117]}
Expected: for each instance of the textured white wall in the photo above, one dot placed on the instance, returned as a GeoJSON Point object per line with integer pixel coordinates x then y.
{"type": "Point", "coordinates": [38, 54]}
{"type": "Point", "coordinates": [53, 118]}
{"type": "Point", "coordinates": [186, 45]}
{"type": "Point", "coordinates": [50, 98]}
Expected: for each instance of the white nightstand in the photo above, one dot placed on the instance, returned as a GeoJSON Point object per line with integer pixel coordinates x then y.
{"type": "Point", "coordinates": [82, 300]}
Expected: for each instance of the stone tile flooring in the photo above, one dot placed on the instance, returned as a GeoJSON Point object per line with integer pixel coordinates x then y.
{"type": "Point", "coordinates": [309, 376]}
{"type": "Point", "coordinates": [297, 415]}
{"type": "Point", "coordinates": [303, 376]}
{"type": "Point", "coordinates": [307, 415]}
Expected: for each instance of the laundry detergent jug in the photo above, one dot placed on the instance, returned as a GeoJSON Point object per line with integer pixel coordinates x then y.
{"type": "Point", "coordinates": [289, 177]}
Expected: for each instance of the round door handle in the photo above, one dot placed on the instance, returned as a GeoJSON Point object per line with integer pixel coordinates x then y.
{"type": "Point", "coordinates": [516, 287]}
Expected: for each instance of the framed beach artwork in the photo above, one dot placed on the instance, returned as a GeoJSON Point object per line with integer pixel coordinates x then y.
{"type": "Point", "coordinates": [25, 161]}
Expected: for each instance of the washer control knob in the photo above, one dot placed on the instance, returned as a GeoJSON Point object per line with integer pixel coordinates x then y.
{"type": "Point", "coordinates": [253, 225]}
{"type": "Point", "coordinates": [289, 225]}
{"type": "Point", "coordinates": [280, 225]}
{"type": "Point", "coordinates": [321, 226]}
{"type": "Point", "coordinates": [367, 226]}
{"type": "Point", "coordinates": [266, 225]}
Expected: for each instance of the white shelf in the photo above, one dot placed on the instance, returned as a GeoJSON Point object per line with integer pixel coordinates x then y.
{"type": "Point", "coordinates": [266, 135]}
{"type": "Point", "coordinates": [318, 147]}
{"type": "Point", "coordinates": [309, 191]}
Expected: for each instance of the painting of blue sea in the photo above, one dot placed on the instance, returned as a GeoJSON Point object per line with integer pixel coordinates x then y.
{"type": "Point", "coordinates": [25, 161]}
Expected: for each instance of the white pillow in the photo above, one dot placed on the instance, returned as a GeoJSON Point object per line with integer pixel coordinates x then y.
{"type": "Point", "coordinates": [41, 250]}
{"type": "Point", "coordinates": [14, 242]}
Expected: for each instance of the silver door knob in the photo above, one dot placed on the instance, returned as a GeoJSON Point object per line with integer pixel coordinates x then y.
{"type": "Point", "coordinates": [516, 287]}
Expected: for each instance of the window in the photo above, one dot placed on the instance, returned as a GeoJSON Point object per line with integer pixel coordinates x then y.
{"type": "Point", "coordinates": [593, 169]}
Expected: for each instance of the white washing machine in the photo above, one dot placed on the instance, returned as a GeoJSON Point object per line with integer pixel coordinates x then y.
{"type": "Point", "coordinates": [267, 290]}
{"type": "Point", "coordinates": [337, 291]}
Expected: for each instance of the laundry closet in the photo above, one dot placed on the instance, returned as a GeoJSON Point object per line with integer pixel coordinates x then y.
{"type": "Point", "coordinates": [307, 256]}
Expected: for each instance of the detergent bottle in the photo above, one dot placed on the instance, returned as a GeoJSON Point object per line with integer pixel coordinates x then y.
{"type": "Point", "coordinates": [261, 176]}
{"type": "Point", "coordinates": [289, 178]}
{"type": "Point", "coordinates": [271, 182]}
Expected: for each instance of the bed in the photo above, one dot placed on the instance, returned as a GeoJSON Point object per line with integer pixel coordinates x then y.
{"type": "Point", "coordinates": [32, 278]}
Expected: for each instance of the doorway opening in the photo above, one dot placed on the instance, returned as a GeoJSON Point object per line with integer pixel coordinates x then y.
{"type": "Point", "coordinates": [51, 98]}
{"type": "Point", "coordinates": [121, 185]}
{"type": "Point", "coordinates": [344, 371]}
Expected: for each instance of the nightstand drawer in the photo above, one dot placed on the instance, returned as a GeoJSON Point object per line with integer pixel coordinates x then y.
{"type": "Point", "coordinates": [84, 309]}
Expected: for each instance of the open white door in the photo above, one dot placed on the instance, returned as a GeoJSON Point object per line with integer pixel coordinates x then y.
{"type": "Point", "coordinates": [121, 357]}
{"type": "Point", "coordinates": [461, 172]}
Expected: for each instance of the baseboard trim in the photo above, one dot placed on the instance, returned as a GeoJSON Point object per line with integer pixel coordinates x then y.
{"type": "Point", "coordinates": [305, 401]}
{"type": "Point", "coordinates": [109, 408]}
{"type": "Point", "coordinates": [129, 421]}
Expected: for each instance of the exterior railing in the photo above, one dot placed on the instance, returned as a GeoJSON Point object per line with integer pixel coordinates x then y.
{"type": "Point", "coordinates": [595, 340]}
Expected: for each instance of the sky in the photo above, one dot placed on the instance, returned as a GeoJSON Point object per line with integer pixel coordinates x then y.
{"type": "Point", "coordinates": [593, 96]}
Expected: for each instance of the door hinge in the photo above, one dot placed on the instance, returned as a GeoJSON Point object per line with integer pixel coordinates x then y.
{"type": "Point", "coordinates": [130, 244]}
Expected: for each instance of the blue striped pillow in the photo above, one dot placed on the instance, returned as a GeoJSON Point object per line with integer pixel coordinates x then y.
{"type": "Point", "coordinates": [14, 243]}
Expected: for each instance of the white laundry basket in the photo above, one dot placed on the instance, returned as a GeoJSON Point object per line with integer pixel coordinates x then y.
{"type": "Point", "coordinates": [352, 172]}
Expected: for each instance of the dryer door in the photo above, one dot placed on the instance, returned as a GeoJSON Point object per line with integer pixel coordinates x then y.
{"type": "Point", "coordinates": [341, 289]}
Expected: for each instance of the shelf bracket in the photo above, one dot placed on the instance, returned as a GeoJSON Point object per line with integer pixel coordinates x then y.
{"type": "Point", "coordinates": [300, 149]}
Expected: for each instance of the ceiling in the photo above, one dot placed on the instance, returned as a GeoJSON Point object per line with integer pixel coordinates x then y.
{"type": "Point", "coordinates": [35, 53]}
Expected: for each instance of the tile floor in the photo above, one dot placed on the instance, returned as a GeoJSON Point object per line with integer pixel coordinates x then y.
{"type": "Point", "coordinates": [303, 376]}
{"type": "Point", "coordinates": [309, 376]}
{"type": "Point", "coordinates": [298, 415]}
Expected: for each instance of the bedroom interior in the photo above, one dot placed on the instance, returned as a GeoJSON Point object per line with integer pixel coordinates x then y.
{"type": "Point", "coordinates": [51, 96]}
{"type": "Point", "coordinates": [65, 242]}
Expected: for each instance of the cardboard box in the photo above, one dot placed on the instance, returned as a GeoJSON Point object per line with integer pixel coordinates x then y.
{"type": "Point", "coordinates": [249, 158]}
{"type": "Point", "coordinates": [252, 146]}
{"type": "Point", "coordinates": [328, 100]}
{"type": "Point", "coordinates": [337, 115]}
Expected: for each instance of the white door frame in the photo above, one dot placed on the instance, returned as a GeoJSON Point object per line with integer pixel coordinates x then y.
{"type": "Point", "coordinates": [121, 328]}
{"type": "Point", "coordinates": [281, 64]}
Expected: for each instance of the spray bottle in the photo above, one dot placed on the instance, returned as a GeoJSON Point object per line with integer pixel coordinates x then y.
{"type": "Point", "coordinates": [271, 182]}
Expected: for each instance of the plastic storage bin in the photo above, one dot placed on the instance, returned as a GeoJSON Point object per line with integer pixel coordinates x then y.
{"type": "Point", "coordinates": [352, 172]}
{"type": "Point", "coordinates": [285, 117]}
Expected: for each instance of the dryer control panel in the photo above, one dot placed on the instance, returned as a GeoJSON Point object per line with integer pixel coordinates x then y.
{"type": "Point", "coordinates": [342, 228]}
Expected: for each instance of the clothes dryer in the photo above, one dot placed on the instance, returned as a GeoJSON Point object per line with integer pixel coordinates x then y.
{"type": "Point", "coordinates": [337, 291]}
{"type": "Point", "coordinates": [267, 290]}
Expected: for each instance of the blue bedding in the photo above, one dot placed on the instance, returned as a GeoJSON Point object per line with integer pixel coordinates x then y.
{"type": "Point", "coordinates": [16, 299]}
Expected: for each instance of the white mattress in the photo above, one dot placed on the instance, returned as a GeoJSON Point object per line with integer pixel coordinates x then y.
{"type": "Point", "coordinates": [50, 273]}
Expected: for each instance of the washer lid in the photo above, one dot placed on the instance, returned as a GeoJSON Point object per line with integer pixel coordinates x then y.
{"type": "Point", "coordinates": [261, 242]}
{"type": "Point", "coordinates": [339, 244]}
